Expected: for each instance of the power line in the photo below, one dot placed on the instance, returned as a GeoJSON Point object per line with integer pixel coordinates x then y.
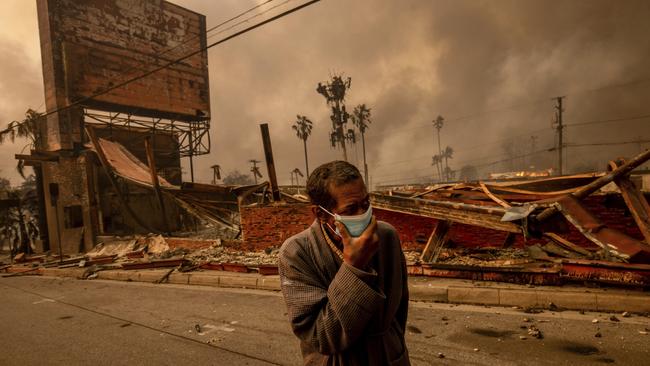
{"type": "Point", "coordinates": [608, 120]}
{"type": "Point", "coordinates": [252, 17]}
{"type": "Point", "coordinates": [186, 42]}
{"type": "Point", "coordinates": [609, 143]}
{"type": "Point", "coordinates": [171, 63]}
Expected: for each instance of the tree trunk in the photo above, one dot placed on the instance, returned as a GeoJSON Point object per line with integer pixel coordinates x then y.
{"type": "Point", "coordinates": [365, 164]}
{"type": "Point", "coordinates": [304, 142]}
{"type": "Point", "coordinates": [446, 169]}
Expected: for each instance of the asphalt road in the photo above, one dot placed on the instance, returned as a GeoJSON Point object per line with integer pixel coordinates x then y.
{"type": "Point", "coordinates": [58, 321]}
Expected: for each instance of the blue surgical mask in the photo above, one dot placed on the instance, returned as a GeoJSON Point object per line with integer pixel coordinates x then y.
{"type": "Point", "coordinates": [355, 224]}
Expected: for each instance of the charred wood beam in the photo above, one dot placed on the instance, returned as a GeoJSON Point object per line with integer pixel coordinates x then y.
{"type": "Point", "coordinates": [437, 240]}
{"type": "Point", "coordinates": [36, 158]}
{"type": "Point", "coordinates": [488, 217]}
{"type": "Point", "coordinates": [154, 180]}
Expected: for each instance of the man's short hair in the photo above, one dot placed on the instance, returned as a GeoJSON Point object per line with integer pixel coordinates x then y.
{"type": "Point", "coordinates": [335, 173]}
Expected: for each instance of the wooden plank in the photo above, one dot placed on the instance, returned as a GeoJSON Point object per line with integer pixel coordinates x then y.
{"type": "Point", "coordinates": [493, 197]}
{"type": "Point", "coordinates": [567, 244]}
{"type": "Point", "coordinates": [35, 158]}
{"type": "Point", "coordinates": [487, 217]}
{"type": "Point", "coordinates": [637, 204]}
{"type": "Point", "coordinates": [437, 240]}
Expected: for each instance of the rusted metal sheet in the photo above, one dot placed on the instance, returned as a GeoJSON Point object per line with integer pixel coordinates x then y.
{"type": "Point", "coordinates": [606, 272]}
{"type": "Point", "coordinates": [637, 205]}
{"type": "Point", "coordinates": [212, 266]}
{"type": "Point", "coordinates": [592, 187]}
{"type": "Point", "coordinates": [127, 166]}
{"type": "Point", "coordinates": [519, 274]}
{"type": "Point", "coordinates": [488, 217]}
{"type": "Point", "coordinates": [235, 267]}
{"type": "Point", "coordinates": [613, 241]}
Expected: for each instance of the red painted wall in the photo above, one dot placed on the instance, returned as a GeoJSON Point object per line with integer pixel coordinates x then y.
{"type": "Point", "coordinates": [270, 226]}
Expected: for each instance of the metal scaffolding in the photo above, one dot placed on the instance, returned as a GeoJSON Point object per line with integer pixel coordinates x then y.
{"type": "Point", "coordinates": [193, 136]}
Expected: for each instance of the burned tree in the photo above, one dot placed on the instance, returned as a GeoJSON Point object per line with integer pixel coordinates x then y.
{"type": "Point", "coordinates": [303, 130]}
{"type": "Point", "coordinates": [361, 119]}
{"type": "Point", "coordinates": [334, 93]}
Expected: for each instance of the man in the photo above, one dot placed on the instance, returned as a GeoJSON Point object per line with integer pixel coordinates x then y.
{"type": "Point", "coordinates": [344, 279]}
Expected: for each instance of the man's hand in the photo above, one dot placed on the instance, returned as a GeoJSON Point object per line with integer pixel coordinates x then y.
{"type": "Point", "coordinates": [357, 252]}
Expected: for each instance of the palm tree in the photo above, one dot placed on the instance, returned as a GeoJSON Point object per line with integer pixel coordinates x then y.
{"type": "Point", "coordinates": [437, 161]}
{"type": "Point", "coordinates": [447, 153]}
{"type": "Point", "coordinates": [334, 93]}
{"type": "Point", "coordinates": [438, 123]}
{"type": "Point", "coordinates": [303, 130]}
{"type": "Point", "coordinates": [361, 119]}
{"type": "Point", "coordinates": [27, 128]}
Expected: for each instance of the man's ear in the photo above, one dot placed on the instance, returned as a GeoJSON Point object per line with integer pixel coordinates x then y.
{"type": "Point", "coordinates": [317, 212]}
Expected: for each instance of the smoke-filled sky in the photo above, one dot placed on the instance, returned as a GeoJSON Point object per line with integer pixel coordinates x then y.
{"type": "Point", "coordinates": [490, 68]}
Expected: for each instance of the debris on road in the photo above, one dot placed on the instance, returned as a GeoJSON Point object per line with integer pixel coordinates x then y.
{"type": "Point", "coordinates": [534, 332]}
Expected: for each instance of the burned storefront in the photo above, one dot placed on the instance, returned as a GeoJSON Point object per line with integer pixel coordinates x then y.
{"type": "Point", "coordinates": [104, 119]}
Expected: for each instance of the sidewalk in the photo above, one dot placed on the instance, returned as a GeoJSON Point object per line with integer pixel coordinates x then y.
{"type": "Point", "coordinates": [425, 289]}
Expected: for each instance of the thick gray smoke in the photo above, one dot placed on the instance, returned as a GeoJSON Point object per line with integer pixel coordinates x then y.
{"type": "Point", "coordinates": [489, 67]}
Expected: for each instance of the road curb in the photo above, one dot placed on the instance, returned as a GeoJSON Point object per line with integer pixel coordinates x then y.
{"type": "Point", "coordinates": [420, 289]}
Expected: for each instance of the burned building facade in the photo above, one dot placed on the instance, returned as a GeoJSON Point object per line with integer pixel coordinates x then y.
{"type": "Point", "coordinates": [116, 71]}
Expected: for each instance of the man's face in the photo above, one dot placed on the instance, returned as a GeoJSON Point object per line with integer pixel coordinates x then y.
{"type": "Point", "coordinates": [351, 199]}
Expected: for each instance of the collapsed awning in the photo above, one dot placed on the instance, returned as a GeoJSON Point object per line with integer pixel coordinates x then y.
{"type": "Point", "coordinates": [127, 166]}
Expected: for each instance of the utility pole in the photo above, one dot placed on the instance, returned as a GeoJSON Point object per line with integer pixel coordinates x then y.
{"type": "Point", "coordinates": [298, 174]}
{"type": "Point", "coordinates": [191, 160]}
{"type": "Point", "coordinates": [270, 165]}
{"type": "Point", "coordinates": [255, 170]}
{"type": "Point", "coordinates": [438, 123]}
{"type": "Point", "coordinates": [216, 173]}
{"type": "Point", "coordinates": [560, 132]}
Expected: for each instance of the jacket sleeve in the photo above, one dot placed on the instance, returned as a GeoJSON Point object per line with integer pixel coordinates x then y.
{"type": "Point", "coordinates": [402, 311]}
{"type": "Point", "coordinates": [328, 318]}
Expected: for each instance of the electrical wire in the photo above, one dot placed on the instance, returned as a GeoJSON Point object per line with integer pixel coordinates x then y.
{"type": "Point", "coordinates": [608, 143]}
{"type": "Point", "coordinates": [176, 61]}
{"type": "Point", "coordinates": [608, 121]}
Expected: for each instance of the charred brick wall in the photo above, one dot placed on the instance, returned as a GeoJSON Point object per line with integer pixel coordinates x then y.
{"type": "Point", "coordinates": [91, 45]}
{"type": "Point", "coordinates": [269, 226]}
